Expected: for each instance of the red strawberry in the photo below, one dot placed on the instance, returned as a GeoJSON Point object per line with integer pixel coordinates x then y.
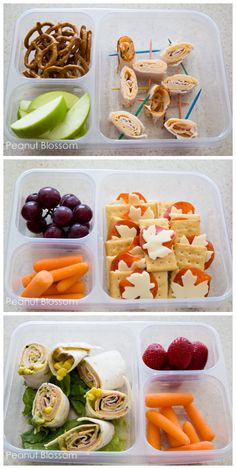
{"type": "Point", "coordinates": [199, 357]}
{"type": "Point", "coordinates": [155, 357]}
{"type": "Point", "coordinates": [180, 353]}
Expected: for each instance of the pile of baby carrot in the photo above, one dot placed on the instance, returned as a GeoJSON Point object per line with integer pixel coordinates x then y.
{"type": "Point", "coordinates": [56, 278]}
{"type": "Point", "coordinates": [194, 434]}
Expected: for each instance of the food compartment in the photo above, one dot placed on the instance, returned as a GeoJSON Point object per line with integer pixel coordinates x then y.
{"type": "Point", "coordinates": [60, 15]}
{"type": "Point", "coordinates": [35, 88]}
{"type": "Point", "coordinates": [66, 182]}
{"type": "Point", "coordinates": [99, 334]}
{"type": "Point", "coordinates": [22, 259]}
{"type": "Point", "coordinates": [207, 67]}
{"type": "Point", "coordinates": [196, 188]}
{"type": "Point", "coordinates": [165, 333]}
{"type": "Point", "coordinates": [211, 400]}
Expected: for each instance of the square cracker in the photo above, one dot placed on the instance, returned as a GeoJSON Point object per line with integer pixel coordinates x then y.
{"type": "Point", "coordinates": [186, 254]}
{"type": "Point", "coordinates": [116, 277]}
{"type": "Point", "coordinates": [116, 246]}
{"type": "Point", "coordinates": [161, 264]}
{"type": "Point", "coordinates": [163, 222]}
{"type": "Point", "coordinates": [118, 210]}
{"type": "Point", "coordinates": [162, 207]}
{"type": "Point", "coordinates": [185, 227]}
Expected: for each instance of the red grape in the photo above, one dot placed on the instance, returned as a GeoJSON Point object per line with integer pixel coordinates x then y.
{"type": "Point", "coordinates": [77, 231]}
{"type": "Point", "coordinates": [32, 197]}
{"type": "Point", "coordinates": [48, 197]}
{"type": "Point", "coordinates": [82, 214]}
{"type": "Point", "coordinates": [70, 201]}
{"type": "Point", "coordinates": [54, 231]}
{"type": "Point", "coordinates": [37, 226]}
{"type": "Point", "coordinates": [31, 211]}
{"type": "Point", "coordinates": [62, 216]}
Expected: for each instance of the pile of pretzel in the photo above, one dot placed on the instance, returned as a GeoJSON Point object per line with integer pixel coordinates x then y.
{"type": "Point", "coordinates": [57, 51]}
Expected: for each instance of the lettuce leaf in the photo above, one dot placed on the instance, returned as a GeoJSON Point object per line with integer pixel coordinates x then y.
{"type": "Point", "coordinates": [31, 440]}
{"type": "Point", "coordinates": [64, 384]}
{"type": "Point", "coordinates": [120, 439]}
{"type": "Point", "coordinates": [28, 399]}
{"type": "Point", "coordinates": [78, 390]}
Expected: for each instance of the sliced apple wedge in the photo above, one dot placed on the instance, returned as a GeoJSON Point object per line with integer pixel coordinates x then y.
{"type": "Point", "coordinates": [44, 118]}
{"type": "Point", "coordinates": [23, 108]}
{"type": "Point", "coordinates": [45, 98]}
{"type": "Point", "coordinates": [73, 122]}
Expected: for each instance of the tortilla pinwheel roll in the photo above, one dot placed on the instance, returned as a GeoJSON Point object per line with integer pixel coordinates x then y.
{"type": "Point", "coordinates": [174, 54]}
{"type": "Point", "coordinates": [128, 124]}
{"type": "Point", "coordinates": [150, 69]}
{"type": "Point", "coordinates": [89, 435]}
{"type": "Point", "coordinates": [181, 128]}
{"type": "Point", "coordinates": [34, 365]}
{"type": "Point", "coordinates": [179, 83]}
{"type": "Point", "coordinates": [108, 404]}
{"type": "Point", "coordinates": [158, 102]}
{"type": "Point", "coordinates": [50, 407]}
{"type": "Point", "coordinates": [105, 370]}
{"type": "Point", "coordinates": [128, 86]}
{"type": "Point", "coordinates": [125, 51]}
{"type": "Point", "coordinates": [65, 357]}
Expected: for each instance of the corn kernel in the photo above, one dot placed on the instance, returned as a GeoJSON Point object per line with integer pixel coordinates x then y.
{"type": "Point", "coordinates": [48, 410]}
{"type": "Point", "coordinates": [68, 363]}
{"type": "Point", "coordinates": [61, 374]}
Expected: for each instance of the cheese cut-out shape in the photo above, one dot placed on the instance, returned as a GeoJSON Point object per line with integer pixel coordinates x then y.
{"type": "Point", "coordinates": [135, 213]}
{"type": "Point", "coordinates": [175, 211]}
{"type": "Point", "coordinates": [199, 240]}
{"type": "Point", "coordinates": [154, 242]}
{"type": "Point", "coordinates": [136, 251]}
{"type": "Point", "coordinates": [189, 289]}
{"type": "Point", "coordinates": [141, 286]}
{"type": "Point", "coordinates": [125, 232]}
{"type": "Point", "coordinates": [133, 199]}
{"type": "Point", "coordinates": [123, 267]}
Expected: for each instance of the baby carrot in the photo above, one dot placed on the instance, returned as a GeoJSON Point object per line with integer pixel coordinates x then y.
{"type": "Point", "coordinates": [153, 435]}
{"type": "Point", "coordinates": [65, 296]}
{"type": "Point", "coordinates": [63, 285]}
{"type": "Point", "coordinates": [38, 285]}
{"type": "Point", "coordinates": [169, 427]}
{"type": "Point", "coordinates": [77, 269]}
{"type": "Point", "coordinates": [53, 263]}
{"type": "Point", "coordinates": [170, 414]}
{"type": "Point", "coordinates": [168, 399]}
{"type": "Point", "coordinates": [189, 429]}
{"type": "Point", "coordinates": [26, 279]}
{"type": "Point", "coordinates": [201, 445]}
{"type": "Point", "coordinates": [199, 423]}
{"type": "Point", "coordinates": [77, 287]}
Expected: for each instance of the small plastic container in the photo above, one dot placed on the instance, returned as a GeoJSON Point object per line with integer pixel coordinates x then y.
{"type": "Point", "coordinates": [97, 188]}
{"type": "Point", "coordinates": [210, 387]}
{"type": "Point", "coordinates": [205, 62]}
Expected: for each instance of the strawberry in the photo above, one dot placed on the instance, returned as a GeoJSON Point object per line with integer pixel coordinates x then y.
{"type": "Point", "coordinates": [180, 353]}
{"type": "Point", "coordinates": [199, 356]}
{"type": "Point", "coordinates": [155, 357]}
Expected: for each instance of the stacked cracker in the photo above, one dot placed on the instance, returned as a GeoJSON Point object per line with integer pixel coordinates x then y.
{"type": "Point", "coordinates": [130, 219]}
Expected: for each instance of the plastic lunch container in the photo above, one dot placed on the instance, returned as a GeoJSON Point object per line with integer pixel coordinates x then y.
{"type": "Point", "coordinates": [212, 113]}
{"type": "Point", "coordinates": [209, 386]}
{"type": "Point", "coordinates": [97, 188]}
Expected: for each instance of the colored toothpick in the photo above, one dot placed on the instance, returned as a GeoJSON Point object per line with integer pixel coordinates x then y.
{"type": "Point", "coordinates": [193, 104]}
{"type": "Point", "coordinates": [137, 52]}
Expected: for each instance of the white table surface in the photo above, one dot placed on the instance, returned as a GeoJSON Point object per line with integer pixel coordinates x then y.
{"type": "Point", "coordinates": [220, 13]}
{"type": "Point", "coordinates": [223, 325]}
{"type": "Point", "coordinates": [218, 170]}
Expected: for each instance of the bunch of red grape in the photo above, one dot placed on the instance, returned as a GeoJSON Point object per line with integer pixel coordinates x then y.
{"type": "Point", "coordinates": [55, 216]}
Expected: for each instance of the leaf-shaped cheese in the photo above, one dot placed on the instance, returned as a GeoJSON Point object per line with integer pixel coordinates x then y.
{"type": "Point", "coordinates": [125, 232]}
{"type": "Point", "coordinates": [135, 213]}
{"type": "Point", "coordinates": [154, 242]}
{"type": "Point", "coordinates": [123, 267]}
{"type": "Point", "coordinates": [189, 289]}
{"type": "Point", "coordinates": [141, 286]}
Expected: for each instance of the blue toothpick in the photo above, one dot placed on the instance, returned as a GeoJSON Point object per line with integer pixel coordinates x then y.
{"type": "Point", "coordinates": [137, 52]}
{"type": "Point", "coordinates": [193, 104]}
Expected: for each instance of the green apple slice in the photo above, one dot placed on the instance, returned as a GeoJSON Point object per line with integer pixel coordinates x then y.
{"type": "Point", "coordinates": [74, 120]}
{"type": "Point", "coordinates": [44, 118]}
{"type": "Point", "coordinates": [81, 133]}
{"type": "Point", "coordinates": [45, 98]}
{"type": "Point", "coordinates": [23, 108]}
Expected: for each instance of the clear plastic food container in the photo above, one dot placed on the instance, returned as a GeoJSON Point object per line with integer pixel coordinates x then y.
{"type": "Point", "coordinates": [210, 387]}
{"type": "Point", "coordinates": [212, 112]}
{"type": "Point", "coordinates": [97, 188]}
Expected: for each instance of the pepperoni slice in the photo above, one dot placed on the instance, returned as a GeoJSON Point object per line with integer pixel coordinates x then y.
{"type": "Point", "coordinates": [158, 229]}
{"type": "Point", "coordinates": [186, 207]}
{"type": "Point", "coordinates": [200, 274]}
{"type": "Point", "coordinates": [125, 196]}
{"type": "Point", "coordinates": [125, 283]}
{"type": "Point", "coordinates": [113, 231]}
{"type": "Point", "coordinates": [210, 247]}
{"type": "Point", "coordinates": [128, 258]}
